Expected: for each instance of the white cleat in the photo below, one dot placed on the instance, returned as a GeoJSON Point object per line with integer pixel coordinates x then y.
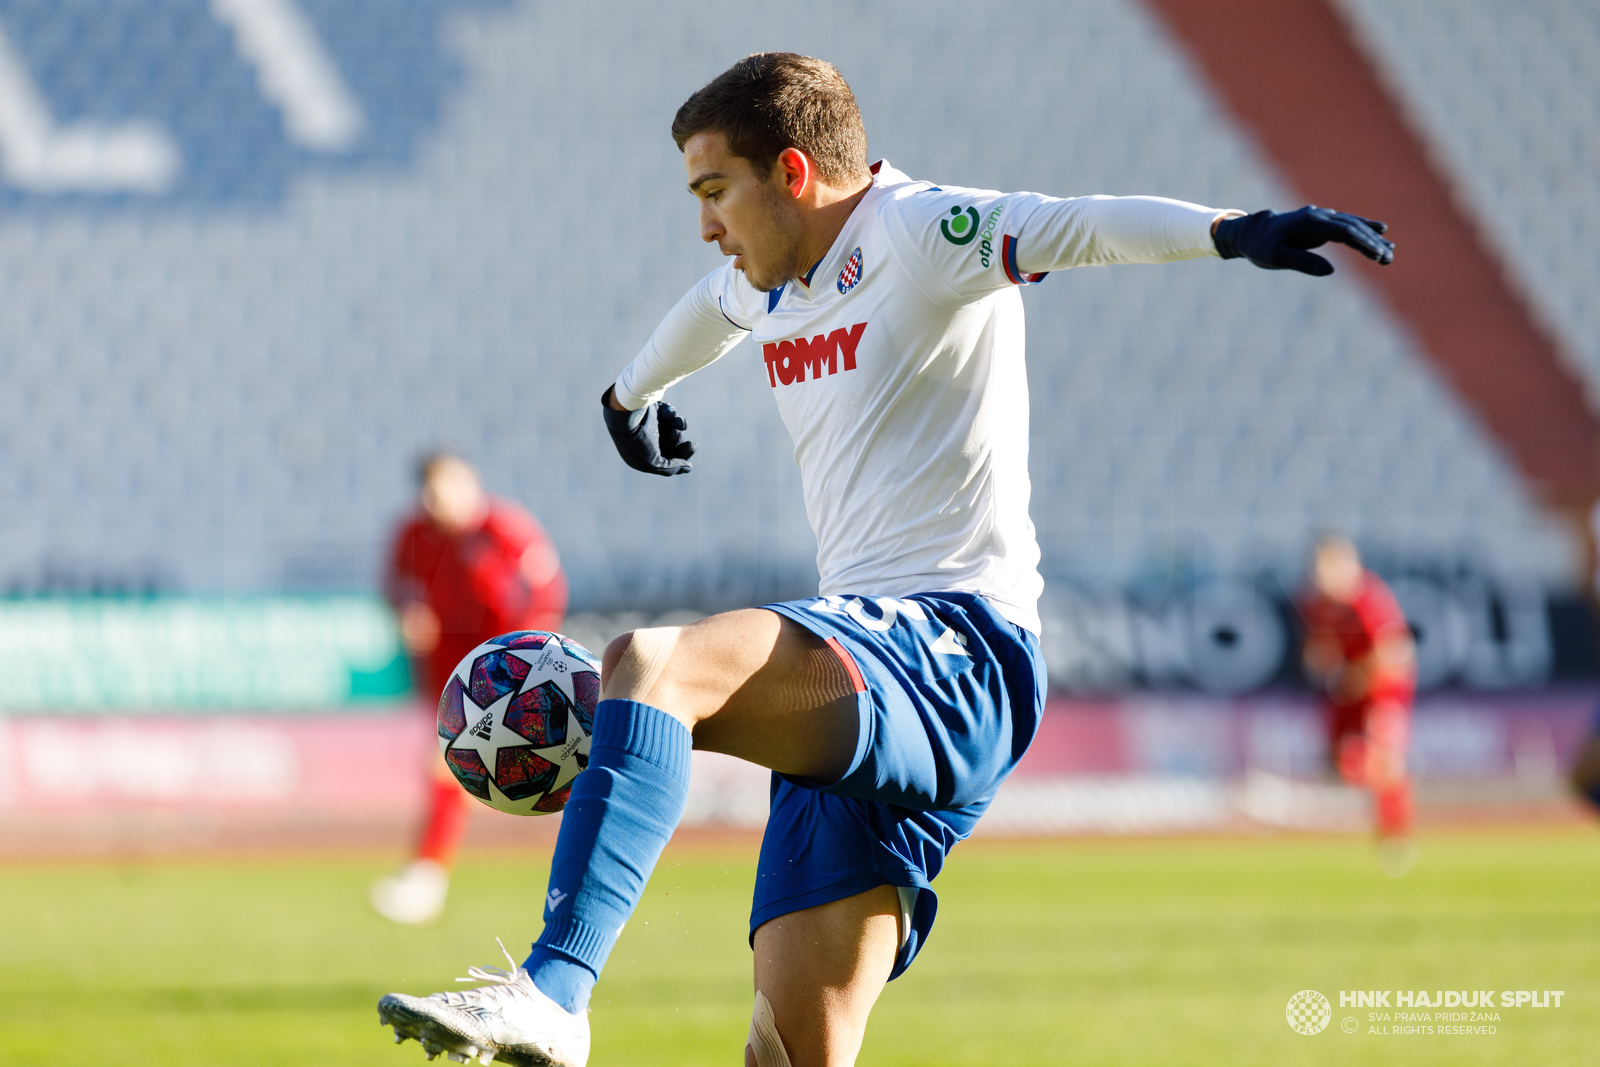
{"type": "Point", "coordinates": [413, 895]}
{"type": "Point", "coordinates": [509, 1020]}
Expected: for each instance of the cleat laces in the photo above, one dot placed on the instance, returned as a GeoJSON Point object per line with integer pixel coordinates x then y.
{"type": "Point", "coordinates": [503, 986]}
{"type": "Point", "coordinates": [495, 974]}
{"type": "Point", "coordinates": [504, 1013]}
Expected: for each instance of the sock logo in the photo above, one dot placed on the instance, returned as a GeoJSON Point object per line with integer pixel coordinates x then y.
{"type": "Point", "coordinates": [553, 899]}
{"type": "Point", "coordinates": [483, 729]}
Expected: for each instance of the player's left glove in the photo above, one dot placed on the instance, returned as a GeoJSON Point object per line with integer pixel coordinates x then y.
{"type": "Point", "coordinates": [650, 439]}
{"type": "Point", "coordinates": [1278, 240]}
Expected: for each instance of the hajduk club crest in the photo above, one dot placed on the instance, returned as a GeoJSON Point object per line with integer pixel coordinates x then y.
{"type": "Point", "coordinates": [851, 273]}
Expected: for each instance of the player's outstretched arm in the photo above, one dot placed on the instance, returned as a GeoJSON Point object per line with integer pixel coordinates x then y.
{"type": "Point", "coordinates": [1025, 236]}
{"type": "Point", "coordinates": [1276, 240]}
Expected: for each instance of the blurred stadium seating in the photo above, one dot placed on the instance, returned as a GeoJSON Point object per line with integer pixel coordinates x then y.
{"type": "Point", "coordinates": [257, 255]}
{"type": "Point", "coordinates": [1508, 98]}
{"type": "Point", "coordinates": [215, 384]}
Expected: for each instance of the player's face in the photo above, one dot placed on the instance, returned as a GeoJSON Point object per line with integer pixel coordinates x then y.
{"type": "Point", "coordinates": [1336, 570]}
{"type": "Point", "coordinates": [748, 215]}
{"type": "Point", "coordinates": [453, 498]}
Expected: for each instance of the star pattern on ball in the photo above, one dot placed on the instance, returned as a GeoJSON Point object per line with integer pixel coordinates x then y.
{"type": "Point", "coordinates": [487, 733]}
{"type": "Point", "coordinates": [570, 768]}
{"type": "Point", "coordinates": [553, 655]}
{"type": "Point", "coordinates": [500, 802]}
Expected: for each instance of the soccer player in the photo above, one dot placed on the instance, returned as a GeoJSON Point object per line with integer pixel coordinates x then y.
{"type": "Point", "coordinates": [1585, 776]}
{"type": "Point", "coordinates": [890, 708]}
{"type": "Point", "coordinates": [1359, 650]}
{"type": "Point", "coordinates": [1585, 773]}
{"type": "Point", "coordinates": [463, 569]}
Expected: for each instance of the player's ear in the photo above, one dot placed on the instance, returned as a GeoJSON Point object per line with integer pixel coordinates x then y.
{"type": "Point", "coordinates": [794, 170]}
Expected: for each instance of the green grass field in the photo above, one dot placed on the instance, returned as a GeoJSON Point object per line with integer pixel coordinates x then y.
{"type": "Point", "coordinates": [1116, 952]}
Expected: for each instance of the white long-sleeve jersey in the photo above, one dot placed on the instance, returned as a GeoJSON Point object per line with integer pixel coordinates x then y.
{"type": "Point", "coordinates": [897, 365]}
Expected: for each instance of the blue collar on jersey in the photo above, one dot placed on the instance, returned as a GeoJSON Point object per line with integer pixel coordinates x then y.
{"type": "Point", "coordinates": [774, 295]}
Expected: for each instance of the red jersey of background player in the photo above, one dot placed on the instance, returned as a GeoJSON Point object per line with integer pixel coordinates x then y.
{"type": "Point", "coordinates": [1359, 650]}
{"type": "Point", "coordinates": [495, 575]}
{"type": "Point", "coordinates": [1348, 635]}
{"type": "Point", "coordinates": [465, 568]}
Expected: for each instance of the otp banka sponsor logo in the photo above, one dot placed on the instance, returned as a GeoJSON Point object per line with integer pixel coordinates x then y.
{"type": "Point", "coordinates": [188, 102]}
{"type": "Point", "coordinates": [961, 229]}
{"type": "Point", "coordinates": [965, 228]}
{"type": "Point", "coordinates": [790, 362]}
{"type": "Point", "coordinates": [986, 238]}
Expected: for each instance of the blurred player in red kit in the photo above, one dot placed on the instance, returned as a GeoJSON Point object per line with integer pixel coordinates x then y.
{"type": "Point", "coordinates": [1359, 650]}
{"type": "Point", "coordinates": [463, 569]}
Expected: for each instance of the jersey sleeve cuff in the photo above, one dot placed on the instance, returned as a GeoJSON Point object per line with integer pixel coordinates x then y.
{"type": "Point", "coordinates": [628, 398]}
{"type": "Point", "coordinates": [1008, 262]}
{"type": "Point", "coordinates": [1227, 213]}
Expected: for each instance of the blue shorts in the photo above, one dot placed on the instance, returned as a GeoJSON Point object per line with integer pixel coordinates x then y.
{"type": "Point", "coordinates": [949, 695]}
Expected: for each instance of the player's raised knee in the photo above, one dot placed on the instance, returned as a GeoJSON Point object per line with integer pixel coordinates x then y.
{"type": "Point", "coordinates": [612, 656]}
{"type": "Point", "coordinates": [634, 662]}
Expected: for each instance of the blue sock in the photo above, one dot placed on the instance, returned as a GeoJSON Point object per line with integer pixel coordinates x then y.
{"type": "Point", "coordinates": [622, 810]}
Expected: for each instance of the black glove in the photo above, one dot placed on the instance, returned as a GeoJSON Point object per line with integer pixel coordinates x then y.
{"type": "Point", "coordinates": [1277, 241]}
{"type": "Point", "coordinates": [650, 439]}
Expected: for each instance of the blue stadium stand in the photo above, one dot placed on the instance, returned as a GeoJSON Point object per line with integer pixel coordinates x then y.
{"type": "Point", "coordinates": [220, 386]}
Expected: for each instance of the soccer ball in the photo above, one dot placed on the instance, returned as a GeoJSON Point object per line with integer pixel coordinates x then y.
{"type": "Point", "coordinates": [516, 717]}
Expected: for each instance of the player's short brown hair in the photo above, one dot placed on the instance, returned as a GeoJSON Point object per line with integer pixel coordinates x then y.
{"type": "Point", "coordinates": [771, 101]}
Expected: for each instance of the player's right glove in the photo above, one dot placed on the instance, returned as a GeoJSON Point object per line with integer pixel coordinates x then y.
{"type": "Point", "coordinates": [1278, 240]}
{"type": "Point", "coordinates": [650, 439]}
